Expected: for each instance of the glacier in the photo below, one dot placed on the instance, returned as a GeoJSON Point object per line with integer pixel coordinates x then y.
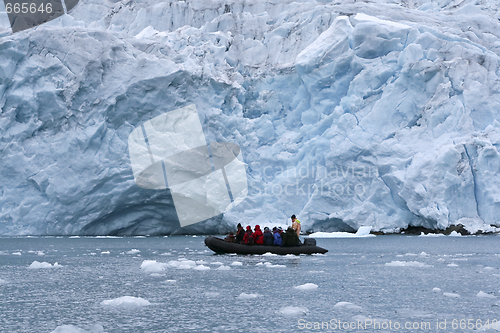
{"type": "Point", "coordinates": [348, 114]}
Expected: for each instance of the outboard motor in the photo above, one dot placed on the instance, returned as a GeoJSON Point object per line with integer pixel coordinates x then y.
{"type": "Point", "coordinates": [309, 241]}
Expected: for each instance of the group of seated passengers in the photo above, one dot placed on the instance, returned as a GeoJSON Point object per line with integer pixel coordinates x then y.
{"type": "Point", "coordinates": [277, 237]}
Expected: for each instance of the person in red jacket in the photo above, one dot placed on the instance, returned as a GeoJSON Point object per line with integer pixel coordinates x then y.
{"type": "Point", "coordinates": [248, 237]}
{"type": "Point", "coordinates": [258, 236]}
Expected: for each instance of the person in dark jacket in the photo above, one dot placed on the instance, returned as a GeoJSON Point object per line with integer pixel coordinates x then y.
{"type": "Point", "coordinates": [268, 237]}
{"type": "Point", "coordinates": [277, 237]}
{"type": "Point", "coordinates": [240, 234]}
{"type": "Point", "coordinates": [290, 237]}
{"type": "Point", "coordinates": [248, 237]}
{"type": "Point", "coordinates": [258, 236]}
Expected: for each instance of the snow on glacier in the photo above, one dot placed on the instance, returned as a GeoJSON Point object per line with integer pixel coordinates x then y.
{"type": "Point", "coordinates": [360, 113]}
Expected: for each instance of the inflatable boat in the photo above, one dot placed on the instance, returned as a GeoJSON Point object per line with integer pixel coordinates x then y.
{"type": "Point", "coordinates": [221, 246]}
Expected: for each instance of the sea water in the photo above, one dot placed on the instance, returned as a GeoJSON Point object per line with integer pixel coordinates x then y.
{"type": "Point", "coordinates": [176, 284]}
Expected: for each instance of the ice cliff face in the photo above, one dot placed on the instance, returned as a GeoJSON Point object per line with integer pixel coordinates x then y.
{"type": "Point", "coordinates": [347, 114]}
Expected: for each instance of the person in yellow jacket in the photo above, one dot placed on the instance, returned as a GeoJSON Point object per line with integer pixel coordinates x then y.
{"type": "Point", "coordinates": [296, 225]}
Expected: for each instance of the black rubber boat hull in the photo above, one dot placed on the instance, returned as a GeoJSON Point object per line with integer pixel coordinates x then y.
{"type": "Point", "coordinates": [221, 246]}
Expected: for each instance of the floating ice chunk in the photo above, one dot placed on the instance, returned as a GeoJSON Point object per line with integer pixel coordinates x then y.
{"type": "Point", "coordinates": [347, 306]}
{"type": "Point", "coordinates": [75, 329]}
{"type": "Point", "coordinates": [259, 264]}
{"type": "Point", "coordinates": [157, 275]}
{"type": "Point", "coordinates": [126, 301]}
{"type": "Point", "coordinates": [407, 264]}
{"type": "Point", "coordinates": [223, 268]}
{"type": "Point", "coordinates": [452, 265]}
{"type": "Point", "coordinates": [293, 311]}
{"type": "Point", "coordinates": [237, 263]}
{"type": "Point", "coordinates": [40, 253]}
{"type": "Point", "coordinates": [37, 265]}
{"type": "Point", "coordinates": [307, 287]}
{"type": "Point", "coordinates": [185, 264]}
{"type": "Point", "coordinates": [201, 262]}
{"type": "Point", "coordinates": [269, 254]}
{"type": "Point", "coordinates": [152, 266]}
{"type": "Point", "coordinates": [423, 254]}
{"type": "Point", "coordinates": [74, 236]}
{"type": "Point", "coordinates": [268, 264]}
{"type": "Point", "coordinates": [487, 268]}
{"type": "Point", "coordinates": [133, 251]}
{"type": "Point", "coordinates": [247, 296]}
{"type": "Point", "coordinates": [482, 294]}
{"type": "Point", "coordinates": [105, 252]}
{"type": "Point", "coordinates": [16, 253]}
{"type": "Point", "coordinates": [436, 290]}
{"type": "Point", "coordinates": [202, 268]}
{"type": "Point", "coordinates": [430, 235]}
{"type": "Point", "coordinates": [455, 234]}
{"type": "Point", "coordinates": [441, 260]}
{"type": "Point", "coordinates": [362, 232]}
{"type": "Point", "coordinates": [166, 254]}
{"type": "Point", "coordinates": [171, 281]}
{"type": "Point", "coordinates": [216, 263]}
{"type": "Point", "coordinates": [451, 295]}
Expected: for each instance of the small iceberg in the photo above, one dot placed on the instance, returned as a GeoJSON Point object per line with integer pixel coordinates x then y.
{"type": "Point", "coordinates": [223, 268]}
{"type": "Point", "coordinates": [307, 287]}
{"type": "Point", "coordinates": [407, 264]}
{"type": "Point", "coordinates": [245, 296]}
{"type": "Point", "coordinates": [38, 265]}
{"type": "Point", "coordinates": [126, 301]}
{"type": "Point", "coordinates": [152, 266]}
{"type": "Point", "coordinates": [202, 268]}
{"type": "Point", "coordinates": [347, 306]}
{"type": "Point", "coordinates": [362, 232]}
{"type": "Point", "coordinates": [482, 294]}
{"type": "Point", "coordinates": [293, 311]}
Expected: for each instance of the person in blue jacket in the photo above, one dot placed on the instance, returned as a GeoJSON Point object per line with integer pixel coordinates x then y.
{"type": "Point", "coordinates": [277, 237]}
{"type": "Point", "coordinates": [268, 237]}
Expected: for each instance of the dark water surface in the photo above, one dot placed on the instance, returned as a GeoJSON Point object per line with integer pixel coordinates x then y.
{"type": "Point", "coordinates": [354, 271]}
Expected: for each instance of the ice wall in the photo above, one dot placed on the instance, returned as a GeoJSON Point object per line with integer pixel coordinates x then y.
{"type": "Point", "coordinates": [360, 113]}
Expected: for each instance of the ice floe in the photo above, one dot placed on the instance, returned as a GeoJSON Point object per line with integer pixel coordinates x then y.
{"type": "Point", "coordinates": [126, 301]}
